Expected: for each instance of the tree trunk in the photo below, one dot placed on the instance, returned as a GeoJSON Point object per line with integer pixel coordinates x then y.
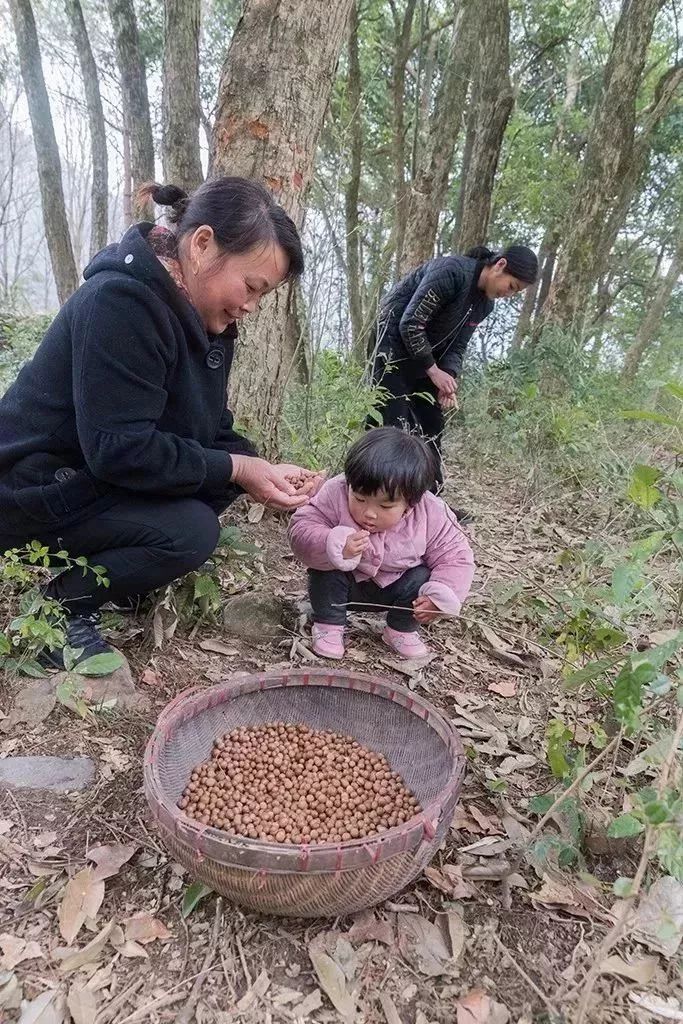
{"type": "Point", "coordinates": [492, 103]}
{"type": "Point", "coordinates": [99, 201]}
{"type": "Point", "coordinates": [351, 194]}
{"type": "Point", "coordinates": [47, 152]}
{"type": "Point", "coordinates": [398, 125]}
{"type": "Point", "coordinates": [136, 120]}
{"type": "Point", "coordinates": [180, 103]}
{"type": "Point", "coordinates": [127, 181]}
{"type": "Point", "coordinates": [430, 186]}
{"type": "Point", "coordinates": [607, 160]}
{"type": "Point", "coordinates": [274, 90]}
{"type": "Point", "coordinates": [656, 308]}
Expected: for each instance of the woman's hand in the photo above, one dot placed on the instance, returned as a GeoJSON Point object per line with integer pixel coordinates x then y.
{"type": "Point", "coordinates": [442, 381]}
{"type": "Point", "coordinates": [448, 401]}
{"type": "Point", "coordinates": [282, 486]}
{"type": "Point", "coordinates": [425, 610]}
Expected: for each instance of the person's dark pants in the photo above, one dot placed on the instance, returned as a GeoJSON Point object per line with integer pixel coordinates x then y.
{"type": "Point", "coordinates": [142, 543]}
{"type": "Point", "coordinates": [413, 406]}
{"type": "Point", "coordinates": [331, 591]}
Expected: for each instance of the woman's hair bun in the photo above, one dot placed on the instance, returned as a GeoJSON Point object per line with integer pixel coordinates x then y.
{"type": "Point", "coordinates": [164, 195]}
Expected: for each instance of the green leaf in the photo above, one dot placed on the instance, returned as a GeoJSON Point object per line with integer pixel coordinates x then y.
{"type": "Point", "coordinates": [679, 696]}
{"type": "Point", "coordinates": [542, 803]}
{"type": "Point", "coordinates": [624, 580]}
{"type": "Point", "coordinates": [590, 671]}
{"type": "Point", "coordinates": [648, 546]}
{"type": "Point", "coordinates": [205, 586]}
{"type": "Point", "coordinates": [628, 692]}
{"type": "Point", "coordinates": [658, 656]}
{"type": "Point", "coordinates": [622, 887]}
{"type": "Point", "coordinates": [642, 490]}
{"type": "Point", "coordinates": [656, 812]}
{"type": "Point", "coordinates": [100, 664]}
{"type": "Point", "coordinates": [674, 389]}
{"type": "Point", "coordinates": [625, 825]}
{"type": "Point", "coordinates": [652, 417]}
{"type": "Point", "coordinates": [193, 895]}
{"type": "Point", "coordinates": [557, 736]}
{"type": "Point", "coordinates": [32, 668]}
{"type": "Point", "coordinates": [5, 645]}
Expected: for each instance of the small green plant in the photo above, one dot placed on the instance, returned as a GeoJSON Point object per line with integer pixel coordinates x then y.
{"type": "Point", "coordinates": [36, 622]}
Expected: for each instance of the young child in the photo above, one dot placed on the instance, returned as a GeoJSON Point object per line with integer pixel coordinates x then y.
{"type": "Point", "coordinates": [376, 535]}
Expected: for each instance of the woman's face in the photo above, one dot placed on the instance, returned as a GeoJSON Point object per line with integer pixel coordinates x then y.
{"type": "Point", "coordinates": [497, 283]}
{"type": "Point", "coordinates": [224, 288]}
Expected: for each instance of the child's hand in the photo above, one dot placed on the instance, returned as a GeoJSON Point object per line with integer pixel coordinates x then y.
{"type": "Point", "coordinates": [425, 610]}
{"type": "Point", "coordinates": [356, 544]}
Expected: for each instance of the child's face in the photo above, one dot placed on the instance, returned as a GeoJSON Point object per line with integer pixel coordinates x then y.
{"type": "Point", "coordinates": [376, 512]}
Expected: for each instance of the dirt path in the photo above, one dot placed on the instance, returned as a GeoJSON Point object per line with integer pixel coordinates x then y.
{"type": "Point", "coordinates": [490, 675]}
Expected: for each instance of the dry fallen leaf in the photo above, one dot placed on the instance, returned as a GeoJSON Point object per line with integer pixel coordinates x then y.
{"type": "Point", "coordinates": [151, 678]}
{"type": "Point", "coordinates": [460, 889]}
{"type": "Point", "coordinates": [72, 959]}
{"type": "Point", "coordinates": [255, 992]}
{"type": "Point", "coordinates": [312, 1002]}
{"type": "Point", "coordinates": [110, 859]}
{"type": "Point", "coordinates": [255, 513]}
{"type": "Point", "coordinates": [332, 980]}
{"type": "Point", "coordinates": [82, 899]}
{"type": "Point", "coordinates": [82, 1003]}
{"type": "Point", "coordinates": [44, 839]}
{"type": "Point", "coordinates": [659, 917]}
{"type": "Point", "coordinates": [47, 1008]}
{"type": "Point", "coordinates": [6, 824]}
{"type": "Point", "coordinates": [489, 824]}
{"type": "Point", "coordinates": [667, 1009]}
{"type": "Point", "coordinates": [217, 647]}
{"type": "Point", "coordinates": [516, 763]}
{"type": "Point", "coordinates": [422, 944]}
{"type": "Point", "coordinates": [478, 1008]}
{"type": "Point", "coordinates": [15, 951]}
{"type": "Point", "coordinates": [505, 688]}
{"type": "Point", "coordinates": [457, 932]}
{"type": "Point", "coordinates": [145, 928]}
{"type": "Point", "coordinates": [438, 880]}
{"type": "Point", "coordinates": [368, 928]}
{"type": "Point", "coordinates": [641, 970]}
{"type": "Point", "coordinates": [10, 993]}
{"type": "Point", "coordinates": [389, 1007]}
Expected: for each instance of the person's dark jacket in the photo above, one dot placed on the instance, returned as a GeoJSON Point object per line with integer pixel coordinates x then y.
{"type": "Point", "coordinates": [126, 393]}
{"type": "Point", "coordinates": [429, 317]}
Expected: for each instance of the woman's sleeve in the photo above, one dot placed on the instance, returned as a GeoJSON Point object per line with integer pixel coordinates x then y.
{"type": "Point", "coordinates": [439, 286]}
{"type": "Point", "coordinates": [228, 440]}
{"type": "Point", "coordinates": [121, 353]}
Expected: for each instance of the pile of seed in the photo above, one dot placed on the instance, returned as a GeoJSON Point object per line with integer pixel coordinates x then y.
{"type": "Point", "coordinates": [291, 784]}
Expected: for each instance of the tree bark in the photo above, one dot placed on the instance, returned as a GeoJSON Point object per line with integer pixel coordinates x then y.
{"type": "Point", "coordinates": [99, 201]}
{"type": "Point", "coordinates": [47, 153]}
{"type": "Point", "coordinates": [352, 191]}
{"type": "Point", "coordinates": [274, 90]}
{"type": "Point", "coordinates": [398, 124]}
{"type": "Point", "coordinates": [492, 103]}
{"type": "Point", "coordinates": [608, 158]}
{"type": "Point", "coordinates": [656, 308]}
{"type": "Point", "coordinates": [180, 102]}
{"type": "Point", "coordinates": [430, 185]}
{"type": "Point", "coordinates": [136, 120]}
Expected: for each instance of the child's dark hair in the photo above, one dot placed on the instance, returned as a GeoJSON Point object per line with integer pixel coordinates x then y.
{"type": "Point", "coordinates": [241, 211]}
{"type": "Point", "coordinates": [387, 459]}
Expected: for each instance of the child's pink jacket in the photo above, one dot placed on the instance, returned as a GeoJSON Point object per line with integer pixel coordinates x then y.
{"type": "Point", "coordinates": [428, 534]}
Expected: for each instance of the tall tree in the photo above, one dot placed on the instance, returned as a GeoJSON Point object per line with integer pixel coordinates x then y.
{"type": "Point", "coordinates": [47, 152]}
{"type": "Point", "coordinates": [274, 90]}
{"type": "Point", "coordinates": [136, 119]}
{"type": "Point", "coordinates": [402, 47]}
{"type": "Point", "coordinates": [608, 160]}
{"type": "Point", "coordinates": [491, 104]}
{"type": "Point", "coordinates": [180, 102]}
{"type": "Point", "coordinates": [99, 195]}
{"type": "Point", "coordinates": [655, 307]}
{"type": "Point", "coordinates": [430, 185]}
{"type": "Point", "coordinates": [352, 190]}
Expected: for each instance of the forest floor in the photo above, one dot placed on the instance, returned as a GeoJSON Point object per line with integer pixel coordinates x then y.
{"type": "Point", "coordinates": [482, 964]}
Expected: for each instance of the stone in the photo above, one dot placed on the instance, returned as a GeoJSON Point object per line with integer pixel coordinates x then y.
{"type": "Point", "coordinates": [255, 616]}
{"type": "Point", "coordinates": [57, 774]}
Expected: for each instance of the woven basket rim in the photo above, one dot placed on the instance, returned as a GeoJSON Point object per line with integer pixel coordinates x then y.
{"type": "Point", "coordinates": [230, 850]}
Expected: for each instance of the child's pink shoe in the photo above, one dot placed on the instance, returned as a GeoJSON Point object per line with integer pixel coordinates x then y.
{"type": "Point", "coordinates": [407, 645]}
{"type": "Point", "coordinates": [328, 640]}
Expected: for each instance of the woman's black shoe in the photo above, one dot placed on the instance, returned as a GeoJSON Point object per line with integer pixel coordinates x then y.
{"type": "Point", "coordinates": [81, 634]}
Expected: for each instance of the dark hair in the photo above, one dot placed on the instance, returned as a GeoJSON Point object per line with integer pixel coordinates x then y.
{"type": "Point", "coordinates": [388, 459]}
{"type": "Point", "coordinates": [521, 261]}
{"type": "Point", "coordinates": [241, 212]}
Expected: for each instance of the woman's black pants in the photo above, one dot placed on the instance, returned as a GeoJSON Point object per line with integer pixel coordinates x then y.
{"type": "Point", "coordinates": [142, 543]}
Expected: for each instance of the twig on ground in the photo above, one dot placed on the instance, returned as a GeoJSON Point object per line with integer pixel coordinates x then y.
{"type": "Point", "coordinates": [530, 982]}
{"type": "Point", "coordinates": [186, 1015]}
{"type": "Point", "coordinates": [108, 1012]}
{"type": "Point", "coordinates": [243, 960]}
{"type": "Point", "coordinates": [624, 908]}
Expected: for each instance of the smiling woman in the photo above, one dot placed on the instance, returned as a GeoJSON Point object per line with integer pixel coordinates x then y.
{"type": "Point", "coordinates": [115, 440]}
